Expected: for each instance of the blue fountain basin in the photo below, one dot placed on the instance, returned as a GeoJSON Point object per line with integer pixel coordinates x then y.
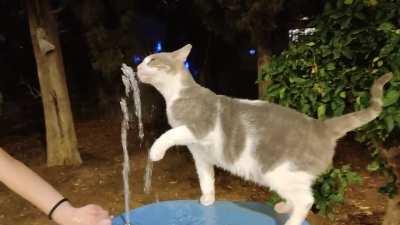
{"type": "Point", "coordinates": [189, 212]}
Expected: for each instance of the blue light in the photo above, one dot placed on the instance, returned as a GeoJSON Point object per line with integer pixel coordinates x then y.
{"type": "Point", "coordinates": [136, 59]}
{"type": "Point", "coordinates": [158, 46]}
{"type": "Point", "coordinates": [252, 51]}
{"type": "Point", "coordinates": [187, 65]}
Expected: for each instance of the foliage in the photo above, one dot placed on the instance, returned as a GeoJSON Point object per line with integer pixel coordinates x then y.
{"type": "Point", "coordinates": [329, 189]}
{"type": "Point", "coordinates": [110, 47]}
{"type": "Point", "coordinates": [104, 56]}
{"type": "Point", "coordinates": [329, 73]}
{"type": "Point", "coordinates": [381, 166]}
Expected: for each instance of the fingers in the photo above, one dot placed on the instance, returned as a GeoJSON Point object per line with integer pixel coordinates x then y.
{"type": "Point", "coordinates": [96, 215]}
{"type": "Point", "coordinates": [95, 209]}
{"type": "Point", "coordinates": [105, 222]}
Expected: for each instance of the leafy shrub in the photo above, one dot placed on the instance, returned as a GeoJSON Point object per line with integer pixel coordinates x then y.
{"type": "Point", "coordinates": [330, 72]}
{"type": "Point", "coordinates": [330, 188]}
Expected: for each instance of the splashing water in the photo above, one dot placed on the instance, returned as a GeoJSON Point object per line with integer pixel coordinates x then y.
{"type": "Point", "coordinates": [130, 82]}
{"type": "Point", "coordinates": [131, 85]}
{"type": "Point", "coordinates": [147, 176]}
{"type": "Point", "coordinates": [126, 168]}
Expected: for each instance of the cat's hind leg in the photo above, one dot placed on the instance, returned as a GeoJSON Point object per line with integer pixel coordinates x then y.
{"type": "Point", "coordinates": [205, 171]}
{"type": "Point", "coordinates": [302, 200]}
{"type": "Point", "coordinates": [283, 207]}
{"type": "Point", "coordinates": [295, 187]}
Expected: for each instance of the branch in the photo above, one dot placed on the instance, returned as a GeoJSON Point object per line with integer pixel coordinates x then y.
{"type": "Point", "coordinates": [33, 91]}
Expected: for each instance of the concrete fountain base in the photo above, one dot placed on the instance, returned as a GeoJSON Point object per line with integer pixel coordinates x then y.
{"type": "Point", "coordinates": [188, 212]}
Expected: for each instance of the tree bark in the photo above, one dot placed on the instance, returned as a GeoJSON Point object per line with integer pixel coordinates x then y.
{"type": "Point", "coordinates": [264, 57]}
{"type": "Point", "coordinates": [60, 132]}
{"type": "Point", "coordinates": [392, 215]}
{"type": "Point", "coordinates": [392, 157]}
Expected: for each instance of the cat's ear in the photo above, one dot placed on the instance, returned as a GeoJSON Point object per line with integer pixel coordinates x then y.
{"type": "Point", "coordinates": [182, 53]}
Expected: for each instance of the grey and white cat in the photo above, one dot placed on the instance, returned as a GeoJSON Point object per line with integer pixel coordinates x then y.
{"type": "Point", "coordinates": [262, 142]}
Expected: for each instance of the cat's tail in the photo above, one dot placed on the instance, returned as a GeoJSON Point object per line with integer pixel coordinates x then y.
{"type": "Point", "coordinates": [343, 124]}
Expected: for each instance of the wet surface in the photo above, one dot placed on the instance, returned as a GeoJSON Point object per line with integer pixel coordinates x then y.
{"type": "Point", "coordinates": [192, 213]}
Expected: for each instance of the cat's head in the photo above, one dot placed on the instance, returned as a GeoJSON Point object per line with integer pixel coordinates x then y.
{"type": "Point", "coordinates": [164, 67]}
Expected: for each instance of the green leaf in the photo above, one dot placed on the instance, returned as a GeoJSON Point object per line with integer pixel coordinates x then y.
{"type": "Point", "coordinates": [274, 198]}
{"type": "Point", "coordinates": [376, 59]}
{"type": "Point", "coordinates": [348, 2]}
{"type": "Point", "coordinates": [396, 117]}
{"type": "Point", "coordinates": [386, 26]}
{"type": "Point", "coordinates": [347, 53]}
{"type": "Point", "coordinates": [389, 123]}
{"type": "Point", "coordinates": [372, 2]}
{"type": "Point", "coordinates": [325, 189]}
{"type": "Point", "coordinates": [373, 166]}
{"type": "Point", "coordinates": [282, 92]}
{"type": "Point", "coordinates": [321, 111]}
{"type": "Point", "coordinates": [297, 80]}
{"type": "Point", "coordinates": [391, 97]}
{"type": "Point", "coordinates": [330, 66]}
{"type": "Point", "coordinates": [337, 107]}
{"type": "Point", "coordinates": [310, 44]}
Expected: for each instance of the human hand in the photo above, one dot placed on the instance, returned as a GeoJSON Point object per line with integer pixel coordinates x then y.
{"type": "Point", "coordinates": [86, 215]}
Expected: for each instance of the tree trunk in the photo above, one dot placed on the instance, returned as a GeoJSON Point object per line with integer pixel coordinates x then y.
{"type": "Point", "coordinates": [264, 57]}
{"type": "Point", "coordinates": [60, 132]}
{"type": "Point", "coordinates": [392, 216]}
{"type": "Point", "coordinates": [392, 157]}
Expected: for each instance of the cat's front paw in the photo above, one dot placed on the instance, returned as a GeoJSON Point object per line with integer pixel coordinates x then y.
{"type": "Point", "coordinates": [207, 199]}
{"type": "Point", "coordinates": [156, 154]}
{"type": "Point", "coordinates": [158, 149]}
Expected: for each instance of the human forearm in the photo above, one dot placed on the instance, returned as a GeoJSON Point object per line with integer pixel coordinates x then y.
{"type": "Point", "coordinates": [23, 181]}
{"type": "Point", "coordinates": [33, 188]}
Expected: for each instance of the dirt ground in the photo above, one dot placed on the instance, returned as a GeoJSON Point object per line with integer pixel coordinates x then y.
{"type": "Point", "coordinates": [98, 179]}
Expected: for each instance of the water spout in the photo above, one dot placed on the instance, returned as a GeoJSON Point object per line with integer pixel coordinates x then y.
{"type": "Point", "coordinates": [131, 85]}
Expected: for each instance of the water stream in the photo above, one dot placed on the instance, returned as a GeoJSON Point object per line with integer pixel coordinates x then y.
{"type": "Point", "coordinates": [125, 167]}
{"type": "Point", "coordinates": [131, 86]}
{"type": "Point", "coordinates": [132, 90]}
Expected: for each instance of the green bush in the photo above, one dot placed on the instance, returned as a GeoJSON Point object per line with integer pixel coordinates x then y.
{"type": "Point", "coordinates": [329, 189]}
{"type": "Point", "coordinates": [330, 72]}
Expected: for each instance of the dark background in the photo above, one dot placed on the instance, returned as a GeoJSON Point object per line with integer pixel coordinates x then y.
{"type": "Point", "coordinates": [224, 67]}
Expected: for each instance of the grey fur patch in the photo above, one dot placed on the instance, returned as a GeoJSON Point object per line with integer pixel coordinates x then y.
{"type": "Point", "coordinates": [197, 109]}
{"type": "Point", "coordinates": [233, 128]}
{"type": "Point", "coordinates": [282, 134]}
